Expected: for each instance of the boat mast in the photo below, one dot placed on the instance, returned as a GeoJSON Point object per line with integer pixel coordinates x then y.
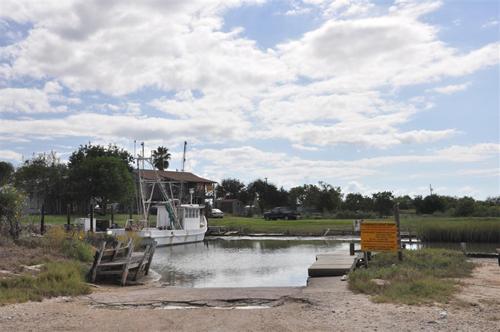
{"type": "Point", "coordinates": [183, 164]}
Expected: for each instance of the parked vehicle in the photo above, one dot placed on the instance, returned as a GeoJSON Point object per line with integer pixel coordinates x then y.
{"type": "Point", "coordinates": [216, 213]}
{"type": "Point", "coordinates": [281, 213]}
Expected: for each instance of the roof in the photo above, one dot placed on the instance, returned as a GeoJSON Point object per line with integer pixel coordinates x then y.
{"type": "Point", "coordinates": [149, 174]}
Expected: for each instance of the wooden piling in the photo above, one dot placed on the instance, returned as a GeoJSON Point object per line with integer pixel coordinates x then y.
{"type": "Point", "coordinates": [42, 220]}
{"type": "Point", "coordinates": [68, 215]}
{"type": "Point", "coordinates": [91, 217]}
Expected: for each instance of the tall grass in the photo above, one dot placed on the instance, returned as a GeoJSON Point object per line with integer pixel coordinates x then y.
{"type": "Point", "coordinates": [55, 279]}
{"type": "Point", "coordinates": [456, 229]}
{"type": "Point", "coordinates": [423, 276]}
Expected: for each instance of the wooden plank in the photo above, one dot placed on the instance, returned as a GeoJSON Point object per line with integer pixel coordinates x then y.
{"type": "Point", "coordinates": [327, 265]}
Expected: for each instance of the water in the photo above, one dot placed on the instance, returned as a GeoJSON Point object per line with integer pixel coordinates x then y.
{"type": "Point", "coordinates": [241, 262]}
{"type": "Point", "coordinates": [254, 262]}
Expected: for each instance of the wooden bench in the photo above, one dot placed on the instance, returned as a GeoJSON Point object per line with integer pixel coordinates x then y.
{"type": "Point", "coordinates": [122, 261]}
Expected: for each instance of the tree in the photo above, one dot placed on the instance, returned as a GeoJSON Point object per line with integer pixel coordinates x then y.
{"type": "Point", "coordinates": [161, 156]}
{"type": "Point", "coordinates": [269, 195]}
{"type": "Point", "coordinates": [465, 206]}
{"type": "Point", "coordinates": [431, 204]}
{"type": "Point", "coordinates": [383, 203]}
{"type": "Point", "coordinates": [102, 174]}
{"type": "Point", "coordinates": [11, 206]}
{"type": "Point", "coordinates": [6, 171]}
{"type": "Point", "coordinates": [230, 188]}
{"type": "Point", "coordinates": [353, 202]}
{"type": "Point", "coordinates": [44, 178]}
{"type": "Point", "coordinates": [330, 197]}
{"type": "Point", "coordinates": [322, 197]}
{"type": "Point", "coordinates": [91, 151]}
{"type": "Point", "coordinates": [405, 202]}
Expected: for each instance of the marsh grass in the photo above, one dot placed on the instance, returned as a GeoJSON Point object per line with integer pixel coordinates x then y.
{"type": "Point", "coordinates": [424, 276]}
{"type": "Point", "coordinates": [55, 279]}
{"type": "Point", "coordinates": [457, 229]}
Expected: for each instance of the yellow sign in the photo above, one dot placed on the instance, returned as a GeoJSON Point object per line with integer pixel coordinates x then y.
{"type": "Point", "coordinates": [379, 237]}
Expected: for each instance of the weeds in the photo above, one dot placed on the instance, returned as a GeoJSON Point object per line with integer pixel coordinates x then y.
{"type": "Point", "coordinates": [423, 276]}
{"type": "Point", "coordinates": [55, 279]}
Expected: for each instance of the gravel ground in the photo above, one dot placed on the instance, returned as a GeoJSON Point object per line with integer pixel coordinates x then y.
{"type": "Point", "coordinates": [324, 305]}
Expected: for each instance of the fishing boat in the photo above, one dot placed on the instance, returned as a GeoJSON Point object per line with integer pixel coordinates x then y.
{"type": "Point", "coordinates": [163, 191]}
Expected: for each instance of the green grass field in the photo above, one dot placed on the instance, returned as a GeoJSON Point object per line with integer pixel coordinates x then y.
{"type": "Point", "coordinates": [427, 228]}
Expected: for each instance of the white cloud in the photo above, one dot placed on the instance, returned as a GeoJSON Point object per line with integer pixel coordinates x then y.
{"type": "Point", "coordinates": [249, 163]}
{"type": "Point", "coordinates": [121, 47]}
{"type": "Point", "coordinates": [450, 89]}
{"type": "Point", "coordinates": [27, 100]}
{"type": "Point", "coordinates": [10, 155]}
{"type": "Point", "coordinates": [396, 49]}
{"type": "Point", "coordinates": [491, 23]}
{"type": "Point", "coordinates": [327, 87]}
{"type": "Point", "coordinates": [125, 128]}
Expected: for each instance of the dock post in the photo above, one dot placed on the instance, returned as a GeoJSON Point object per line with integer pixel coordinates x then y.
{"type": "Point", "coordinates": [351, 249]}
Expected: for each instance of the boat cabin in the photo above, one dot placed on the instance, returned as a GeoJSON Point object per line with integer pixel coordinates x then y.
{"type": "Point", "coordinates": [189, 216]}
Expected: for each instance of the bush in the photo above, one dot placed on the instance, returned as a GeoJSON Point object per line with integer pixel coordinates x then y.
{"type": "Point", "coordinates": [71, 246]}
{"type": "Point", "coordinates": [11, 205]}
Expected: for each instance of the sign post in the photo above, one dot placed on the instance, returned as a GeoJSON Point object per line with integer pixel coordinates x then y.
{"type": "Point", "coordinates": [379, 237]}
{"type": "Point", "coordinates": [396, 217]}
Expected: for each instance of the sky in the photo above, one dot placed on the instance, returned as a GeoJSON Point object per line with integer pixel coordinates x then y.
{"type": "Point", "coordinates": [365, 95]}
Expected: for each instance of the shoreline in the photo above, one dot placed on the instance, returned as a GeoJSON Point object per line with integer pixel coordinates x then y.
{"type": "Point", "coordinates": [325, 304]}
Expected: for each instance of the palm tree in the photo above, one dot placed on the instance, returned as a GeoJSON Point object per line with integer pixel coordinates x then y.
{"type": "Point", "coordinates": [161, 156]}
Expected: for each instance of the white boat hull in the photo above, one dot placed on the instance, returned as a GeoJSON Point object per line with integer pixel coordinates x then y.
{"type": "Point", "coordinates": [165, 237]}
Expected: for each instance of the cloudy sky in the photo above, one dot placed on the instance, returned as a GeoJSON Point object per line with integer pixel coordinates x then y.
{"type": "Point", "coordinates": [360, 94]}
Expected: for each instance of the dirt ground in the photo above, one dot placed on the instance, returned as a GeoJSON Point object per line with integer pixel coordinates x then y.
{"type": "Point", "coordinates": [324, 305]}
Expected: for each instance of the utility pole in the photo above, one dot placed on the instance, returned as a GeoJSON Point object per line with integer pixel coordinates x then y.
{"type": "Point", "coordinates": [430, 189]}
{"type": "Point", "coordinates": [184, 156]}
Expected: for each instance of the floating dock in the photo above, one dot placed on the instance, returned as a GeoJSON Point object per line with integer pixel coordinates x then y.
{"type": "Point", "coordinates": [332, 265]}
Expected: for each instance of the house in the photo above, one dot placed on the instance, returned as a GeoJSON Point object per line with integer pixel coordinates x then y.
{"type": "Point", "coordinates": [182, 182]}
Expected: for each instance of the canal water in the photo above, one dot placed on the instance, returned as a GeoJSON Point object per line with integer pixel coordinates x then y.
{"type": "Point", "coordinates": [251, 261]}
{"type": "Point", "coordinates": [241, 262]}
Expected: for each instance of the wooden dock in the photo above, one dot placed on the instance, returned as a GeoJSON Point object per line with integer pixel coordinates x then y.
{"type": "Point", "coordinates": [331, 265]}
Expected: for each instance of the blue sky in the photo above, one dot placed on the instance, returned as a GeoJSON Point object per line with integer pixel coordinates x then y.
{"type": "Point", "coordinates": [366, 95]}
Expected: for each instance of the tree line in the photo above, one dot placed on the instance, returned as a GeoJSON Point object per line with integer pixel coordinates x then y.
{"type": "Point", "coordinates": [94, 174]}
{"type": "Point", "coordinates": [104, 174]}
{"type": "Point", "coordinates": [323, 198]}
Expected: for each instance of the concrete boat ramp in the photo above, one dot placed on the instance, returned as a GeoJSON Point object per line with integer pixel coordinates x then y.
{"type": "Point", "coordinates": [331, 265]}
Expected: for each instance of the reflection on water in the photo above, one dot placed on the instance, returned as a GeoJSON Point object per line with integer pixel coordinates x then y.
{"type": "Point", "coordinates": [241, 262]}
{"type": "Point", "coordinates": [255, 262]}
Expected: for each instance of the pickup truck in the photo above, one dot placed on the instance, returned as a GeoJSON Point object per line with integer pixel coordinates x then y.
{"type": "Point", "coordinates": [281, 213]}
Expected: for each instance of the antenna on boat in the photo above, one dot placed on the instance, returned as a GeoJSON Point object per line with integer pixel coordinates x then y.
{"type": "Point", "coordinates": [184, 156]}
